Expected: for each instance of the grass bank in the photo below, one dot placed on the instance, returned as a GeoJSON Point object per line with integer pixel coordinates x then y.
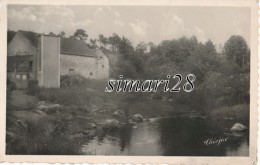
{"type": "Point", "coordinates": [238, 112]}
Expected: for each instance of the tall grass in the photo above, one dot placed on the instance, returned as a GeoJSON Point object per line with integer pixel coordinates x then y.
{"type": "Point", "coordinates": [239, 112]}
{"type": "Point", "coordinates": [64, 96]}
{"type": "Point", "coordinates": [74, 90]}
{"type": "Point", "coordinates": [45, 137]}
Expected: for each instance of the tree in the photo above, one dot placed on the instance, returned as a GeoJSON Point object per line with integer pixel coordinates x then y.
{"type": "Point", "coordinates": [80, 34]}
{"type": "Point", "coordinates": [150, 47]}
{"type": "Point", "coordinates": [62, 34]}
{"type": "Point", "coordinates": [210, 49]}
{"type": "Point", "coordinates": [93, 43]}
{"type": "Point", "coordinates": [129, 62]}
{"type": "Point", "coordinates": [193, 43]}
{"type": "Point", "coordinates": [125, 48]}
{"type": "Point", "coordinates": [203, 60]}
{"type": "Point", "coordinates": [114, 41]}
{"type": "Point", "coordinates": [237, 51]}
{"type": "Point", "coordinates": [141, 48]}
{"type": "Point", "coordinates": [52, 34]}
{"type": "Point", "coordinates": [102, 40]}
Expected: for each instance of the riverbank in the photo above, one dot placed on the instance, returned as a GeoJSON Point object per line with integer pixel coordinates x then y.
{"type": "Point", "coordinates": [60, 121]}
{"type": "Point", "coordinates": [35, 126]}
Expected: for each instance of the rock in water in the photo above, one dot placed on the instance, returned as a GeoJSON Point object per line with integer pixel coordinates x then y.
{"type": "Point", "coordinates": [138, 118]}
{"type": "Point", "coordinates": [40, 112]}
{"type": "Point", "coordinates": [119, 114]}
{"type": "Point", "coordinates": [238, 127]}
{"type": "Point", "coordinates": [93, 125]}
{"type": "Point", "coordinates": [135, 127]}
{"type": "Point", "coordinates": [49, 109]}
{"type": "Point", "coordinates": [110, 124]}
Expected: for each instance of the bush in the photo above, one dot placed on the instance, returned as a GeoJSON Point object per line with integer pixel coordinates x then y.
{"type": "Point", "coordinates": [10, 85]}
{"type": "Point", "coordinates": [33, 88]}
{"type": "Point", "coordinates": [73, 96]}
{"type": "Point", "coordinates": [45, 137]}
{"type": "Point", "coordinates": [70, 81]}
{"type": "Point", "coordinates": [239, 112]}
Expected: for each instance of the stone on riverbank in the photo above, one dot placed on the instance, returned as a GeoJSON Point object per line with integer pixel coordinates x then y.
{"type": "Point", "coordinates": [110, 124]}
{"type": "Point", "coordinates": [90, 133]}
{"type": "Point", "coordinates": [238, 127]}
{"type": "Point", "coordinates": [49, 108]}
{"type": "Point", "coordinates": [40, 112]}
{"type": "Point", "coordinates": [119, 115]}
{"type": "Point", "coordinates": [138, 118]}
{"type": "Point", "coordinates": [93, 125]}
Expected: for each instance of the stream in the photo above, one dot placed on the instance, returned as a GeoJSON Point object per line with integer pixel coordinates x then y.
{"type": "Point", "coordinates": [174, 136]}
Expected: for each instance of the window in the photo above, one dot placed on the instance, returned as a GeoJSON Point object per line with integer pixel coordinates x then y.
{"type": "Point", "coordinates": [91, 73]}
{"type": "Point", "coordinates": [71, 71]}
{"type": "Point", "coordinates": [103, 66]}
{"type": "Point", "coordinates": [18, 76]}
{"type": "Point", "coordinates": [24, 77]}
{"type": "Point", "coordinates": [30, 66]}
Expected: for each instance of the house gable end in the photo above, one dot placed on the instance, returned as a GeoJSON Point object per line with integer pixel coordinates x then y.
{"type": "Point", "coordinates": [20, 45]}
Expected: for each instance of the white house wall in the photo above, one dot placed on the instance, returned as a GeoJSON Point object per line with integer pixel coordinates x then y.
{"type": "Point", "coordinates": [88, 67]}
{"type": "Point", "coordinates": [80, 64]}
{"type": "Point", "coordinates": [102, 67]}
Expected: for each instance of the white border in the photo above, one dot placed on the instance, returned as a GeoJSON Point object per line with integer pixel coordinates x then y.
{"type": "Point", "coordinates": [137, 159]}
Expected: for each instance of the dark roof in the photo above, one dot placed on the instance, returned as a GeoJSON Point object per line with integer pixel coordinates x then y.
{"type": "Point", "coordinates": [31, 36]}
{"type": "Point", "coordinates": [16, 61]}
{"type": "Point", "coordinates": [10, 35]}
{"type": "Point", "coordinates": [76, 47]}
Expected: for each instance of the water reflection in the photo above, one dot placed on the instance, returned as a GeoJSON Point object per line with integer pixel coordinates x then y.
{"type": "Point", "coordinates": [170, 137]}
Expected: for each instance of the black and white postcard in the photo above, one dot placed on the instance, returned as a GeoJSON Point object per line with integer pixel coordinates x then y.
{"type": "Point", "coordinates": [129, 81]}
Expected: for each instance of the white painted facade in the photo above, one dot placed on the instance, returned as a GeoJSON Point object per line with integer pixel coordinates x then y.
{"type": "Point", "coordinates": [89, 67]}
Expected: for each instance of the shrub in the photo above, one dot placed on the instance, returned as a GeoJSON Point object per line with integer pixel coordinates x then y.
{"type": "Point", "coordinates": [10, 85]}
{"type": "Point", "coordinates": [33, 87]}
{"type": "Point", "coordinates": [70, 81]}
{"type": "Point", "coordinates": [239, 112]}
{"type": "Point", "coordinates": [75, 96]}
{"type": "Point", "coordinates": [45, 137]}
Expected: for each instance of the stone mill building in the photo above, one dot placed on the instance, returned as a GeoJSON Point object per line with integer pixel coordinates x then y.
{"type": "Point", "coordinates": [32, 56]}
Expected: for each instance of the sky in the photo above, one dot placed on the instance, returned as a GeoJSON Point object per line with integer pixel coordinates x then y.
{"type": "Point", "coordinates": [137, 23]}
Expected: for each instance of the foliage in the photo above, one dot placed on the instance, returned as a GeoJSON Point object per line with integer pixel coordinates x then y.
{"type": "Point", "coordinates": [73, 80]}
{"type": "Point", "coordinates": [62, 34]}
{"type": "Point", "coordinates": [141, 48]}
{"type": "Point", "coordinates": [44, 137]}
{"type": "Point", "coordinates": [93, 43]}
{"type": "Point", "coordinates": [103, 41]}
{"type": "Point", "coordinates": [220, 81]}
{"type": "Point", "coordinates": [114, 41]}
{"type": "Point", "coordinates": [52, 34]}
{"type": "Point", "coordinates": [10, 85]}
{"type": "Point", "coordinates": [33, 87]}
{"type": "Point", "coordinates": [239, 112]}
{"type": "Point", "coordinates": [69, 96]}
{"type": "Point", "coordinates": [237, 51]}
{"type": "Point", "coordinates": [80, 34]}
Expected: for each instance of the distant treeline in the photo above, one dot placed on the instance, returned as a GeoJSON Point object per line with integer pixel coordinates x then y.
{"type": "Point", "coordinates": [222, 78]}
